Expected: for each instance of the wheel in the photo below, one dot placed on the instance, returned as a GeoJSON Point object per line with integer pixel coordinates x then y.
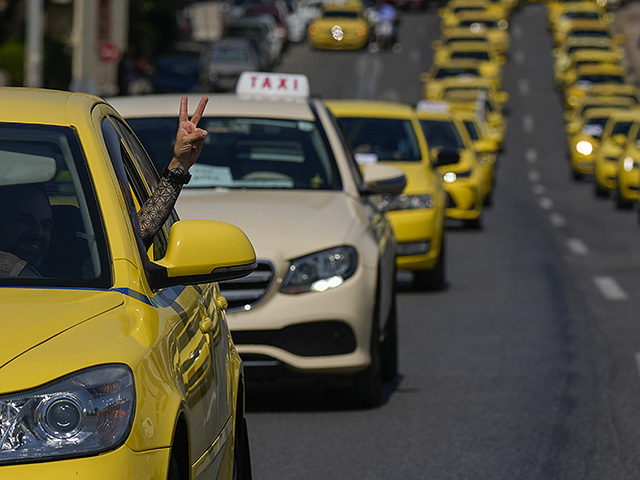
{"type": "Point", "coordinates": [434, 279]}
{"type": "Point", "coordinates": [174, 470]}
{"type": "Point", "coordinates": [367, 385]}
{"type": "Point", "coordinates": [241, 450]}
{"type": "Point", "coordinates": [474, 223]}
{"type": "Point", "coordinates": [389, 348]}
{"type": "Point", "coordinates": [622, 203]}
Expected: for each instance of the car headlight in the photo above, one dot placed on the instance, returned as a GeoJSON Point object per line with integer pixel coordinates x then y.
{"type": "Point", "coordinates": [321, 271]}
{"type": "Point", "coordinates": [628, 164]}
{"type": "Point", "coordinates": [584, 147]}
{"type": "Point", "coordinates": [84, 413]}
{"type": "Point", "coordinates": [411, 202]}
{"type": "Point", "coordinates": [451, 177]}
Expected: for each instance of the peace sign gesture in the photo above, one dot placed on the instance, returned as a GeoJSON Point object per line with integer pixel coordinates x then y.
{"type": "Point", "coordinates": [190, 138]}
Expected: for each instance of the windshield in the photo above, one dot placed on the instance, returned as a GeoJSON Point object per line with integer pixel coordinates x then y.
{"type": "Point", "coordinates": [456, 71]}
{"type": "Point", "coordinates": [253, 153]}
{"type": "Point", "coordinates": [340, 14]}
{"type": "Point", "coordinates": [470, 54]}
{"type": "Point", "coordinates": [621, 128]}
{"type": "Point", "coordinates": [50, 229]}
{"type": "Point", "coordinates": [441, 133]}
{"type": "Point", "coordinates": [390, 139]}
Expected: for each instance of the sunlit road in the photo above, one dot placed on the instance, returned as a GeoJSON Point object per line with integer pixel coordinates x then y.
{"type": "Point", "coordinates": [525, 367]}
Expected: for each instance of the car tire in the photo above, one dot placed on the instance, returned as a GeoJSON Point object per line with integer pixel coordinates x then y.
{"type": "Point", "coordinates": [389, 348]}
{"type": "Point", "coordinates": [174, 469]}
{"type": "Point", "coordinates": [241, 452]}
{"type": "Point", "coordinates": [367, 385]}
{"type": "Point", "coordinates": [434, 279]}
{"type": "Point", "coordinates": [599, 191]}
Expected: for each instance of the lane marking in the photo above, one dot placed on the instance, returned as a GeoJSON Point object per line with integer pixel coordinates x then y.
{"type": "Point", "coordinates": [609, 288]}
{"type": "Point", "coordinates": [557, 219]}
{"type": "Point", "coordinates": [546, 203]}
{"type": "Point", "coordinates": [517, 31]}
{"type": "Point", "coordinates": [539, 189]}
{"type": "Point", "coordinates": [531, 155]}
{"type": "Point", "coordinates": [577, 246]}
{"type": "Point", "coordinates": [519, 57]}
{"type": "Point", "coordinates": [533, 176]}
{"type": "Point", "coordinates": [528, 125]}
{"type": "Point", "coordinates": [637, 355]}
{"type": "Point", "coordinates": [523, 87]}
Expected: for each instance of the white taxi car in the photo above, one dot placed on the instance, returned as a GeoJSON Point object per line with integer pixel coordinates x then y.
{"type": "Point", "coordinates": [322, 300]}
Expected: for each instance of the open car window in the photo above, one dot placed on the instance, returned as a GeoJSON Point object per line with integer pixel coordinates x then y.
{"type": "Point", "coordinates": [49, 219]}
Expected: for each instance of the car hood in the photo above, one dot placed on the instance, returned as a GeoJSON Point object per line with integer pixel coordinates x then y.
{"type": "Point", "coordinates": [280, 224]}
{"type": "Point", "coordinates": [419, 179]}
{"type": "Point", "coordinates": [32, 316]}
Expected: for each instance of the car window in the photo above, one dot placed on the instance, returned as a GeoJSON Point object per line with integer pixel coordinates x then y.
{"type": "Point", "coordinates": [441, 133]}
{"type": "Point", "coordinates": [49, 218]}
{"type": "Point", "coordinates": [390, 139]}
{"type": "Point", "coordinates": [471, 129]}
{"type": "Point", "coordinates": [250, 153]}
{"type": "Point", "coordinates": [141, 179]}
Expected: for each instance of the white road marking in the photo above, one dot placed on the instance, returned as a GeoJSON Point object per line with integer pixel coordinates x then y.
{"type": "Point", "coordinates": [637, 355]}
{"type": "Point", "coordinates": [523, 87]}
{"type": "Point", "coordinates": [528, 125]}
{"type": "Point", "coordinates": [539, 189]}
{"type": "Point", "coordinates": [577, 246]}
{"type": "Point", "coordinates": [519, 57]}
{"type": "Point", "coordinates": [533, 176]}
{"type": "Point", "coordinates": [531, 155]}
{"type": "Point", "coordinates": [609, 288]}
{"type": "Point", "coordinates": [546, 203]}
{"type": "Point", "coordinates": [557, 220]}
{"type": "Point", "coordinates": [415, 56]}
{"type": "Point", "coordinates": [517, 31]}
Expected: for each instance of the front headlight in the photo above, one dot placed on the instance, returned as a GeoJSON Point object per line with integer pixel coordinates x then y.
{"type": "Point", "coordinates": [450, 177]}
{"type": "Point", "coordinates": [584, 147]}
{"type": "Point", "coordinates": [321, 271]}
{"type": "Point", "coordinates": [411, 202]}
{"type": "Point", "coordinates": [84, 413]}
{"type": "Point", "coordinates": [628, 164]}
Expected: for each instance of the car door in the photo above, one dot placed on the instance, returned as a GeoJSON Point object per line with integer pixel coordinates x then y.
{"type": "Point", "coordinates": [194, 314]}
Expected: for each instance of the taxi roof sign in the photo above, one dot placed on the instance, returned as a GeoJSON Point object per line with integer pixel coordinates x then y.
{"type": "Point", "coordinates": [432, 106]}
{"type": "Point", "coordinates": [280, 86]}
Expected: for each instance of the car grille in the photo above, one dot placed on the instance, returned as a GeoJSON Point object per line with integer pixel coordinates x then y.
{"type": "Point", "coordinates": [244, 293]}
{"type": "Point", "coordinates": [316, 339]}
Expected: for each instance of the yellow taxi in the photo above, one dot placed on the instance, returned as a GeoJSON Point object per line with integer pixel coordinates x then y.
{"type": "Point", "coordinates": [612, 143]}
{"type": "Point", "coordinates": [389, 133]}
{"type": "Point", "coordinates": [585, 28]}
{"type": "Point", "coordinates": [555, 7]}
{"type": "Point", "coordinates": [489, 62]}
{"type": "Point", "coordinates": [452, 86]}
{"type": "Point", "coordinates": [627, 192]}
{"type": "Point", "coordinates": [448, 14]}
{"type": "Point", "coordinates": [579, 82]}
{"type": "Point", "coordinates": [451, 36]}
{"type": "Point", "coordinates": [584, 57]}
{"type": "Point", "coordinates": [466, 182]}
{"type": "Point", "coordinates": [119, 362]}
{"type": "Point", "coordinates": [341, 26]}
{"type": "Point", "coordinates": [577, 11]}
{"type": "Point", "coordinates": [494, 26]}
{"type": "Point", "coordinates": [625, 91]}
{"type": "Point", "coordinates": [563, 52]}
{"type": "Point", "coordinates": [488, 109]}
{"type": "Point", "coordinates": [487, 149]}
{"type": "Point", "coordinates": [583, 137]}
{"type": "Point", "coordinates": [321, 303]}
{"type": "Point", "coordinates": [439, 72]}
{"type": "Point", "coordinates": [576, 116]}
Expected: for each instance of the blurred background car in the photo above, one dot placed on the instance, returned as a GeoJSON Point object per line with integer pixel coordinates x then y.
{"type": "Point", "coordinates": [225, 60]}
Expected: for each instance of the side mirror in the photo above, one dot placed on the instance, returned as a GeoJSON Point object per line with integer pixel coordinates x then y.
{"type": "Point", "coordinates": [503, 96]}
{"type": "Point", "coordinates": [619, 139]}
{"type": "Point", "coordinates": [445, 157]}
{"type": "Point", "coordinates": [382, 179]}
{"type": "Point", "coordinates": [572, 128]}
{"type": "Point", "coordinates": [436, 44]}
{"type": "Point", "coordinates": [202, 251]}
{"type": "Point", "coordinates": [484, 146]}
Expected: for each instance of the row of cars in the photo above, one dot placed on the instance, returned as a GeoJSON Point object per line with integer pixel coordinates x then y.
{"type": "Point", "coordinates": [601, 101]}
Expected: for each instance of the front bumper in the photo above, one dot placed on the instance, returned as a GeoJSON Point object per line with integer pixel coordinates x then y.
{"type": "Point", "coordinates": [122, 463]}
{"type": "Point", "coordinates": [423, 225]}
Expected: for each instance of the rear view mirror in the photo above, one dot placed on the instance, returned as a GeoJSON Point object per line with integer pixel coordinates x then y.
{"type": "Point", "coordinates": [383, 179]}
{"type": "Point", "coordinates": [20, 167]}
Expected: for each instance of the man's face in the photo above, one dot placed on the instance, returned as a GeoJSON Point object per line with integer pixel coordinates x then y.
{"type": "Point", "coordinates": [26, 225]}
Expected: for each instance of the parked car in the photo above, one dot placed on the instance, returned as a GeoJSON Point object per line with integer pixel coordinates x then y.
{"type": "Point", "coordinates": [322, 301]}
{"type": "Point", "coordinates": [115, 360]}
{"type": "Point", "coordinates": [225, 60]}
{"type": "Point", "coordinates": [179, 70]}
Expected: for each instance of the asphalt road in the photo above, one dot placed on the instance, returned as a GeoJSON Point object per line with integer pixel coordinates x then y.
{"type": "Point", "coordinates": [526, 366]}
